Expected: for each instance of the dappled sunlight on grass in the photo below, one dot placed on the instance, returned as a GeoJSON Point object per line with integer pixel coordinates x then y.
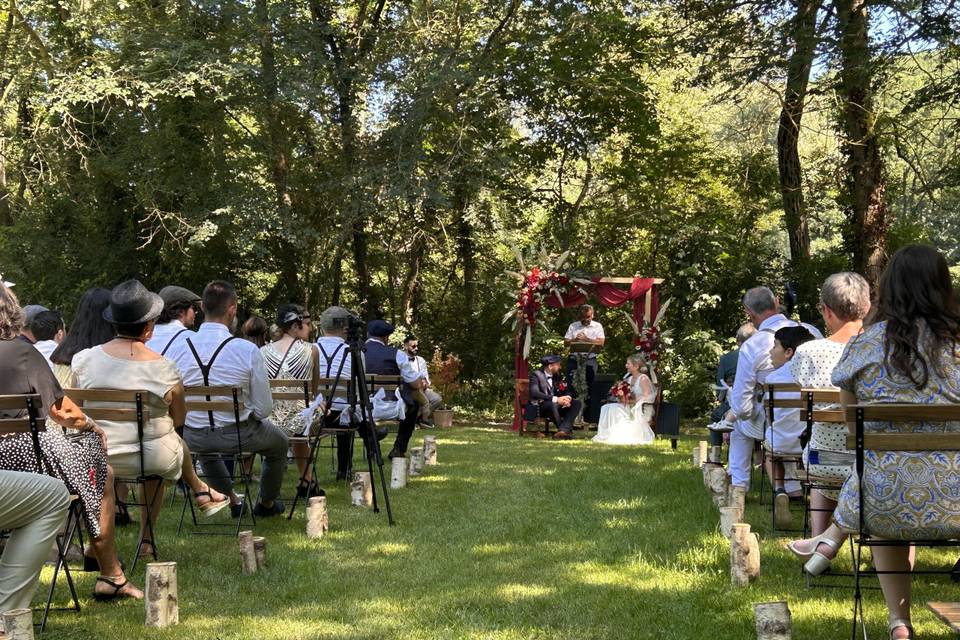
{"type": "Point", "coordinates": [513, 592]}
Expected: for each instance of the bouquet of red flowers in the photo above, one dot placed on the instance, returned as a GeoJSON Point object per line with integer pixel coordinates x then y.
{"type": "Point", "coordinates": [621, 390]}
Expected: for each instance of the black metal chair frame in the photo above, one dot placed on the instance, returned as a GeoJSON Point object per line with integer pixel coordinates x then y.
{"type": "Point", "coordinates": [238, 457]}
{"type": "Point", "coordinates": [857, 416]}
{"type": "Point", "coordinates": [33, 425]}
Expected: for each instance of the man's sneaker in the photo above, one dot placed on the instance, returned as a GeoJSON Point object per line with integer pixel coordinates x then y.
{"type": "Point", "coordinates": [781, 510]}
{"type": "Point", "coordinates": [262, 511]}
{"type": "Point", "coordinates": [237, 510]}
{"type": "Point", "coordinates": [721, 426]}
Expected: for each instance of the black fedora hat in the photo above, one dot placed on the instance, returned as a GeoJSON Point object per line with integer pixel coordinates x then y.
{"type": "Point", "coordinates": [132, 303]}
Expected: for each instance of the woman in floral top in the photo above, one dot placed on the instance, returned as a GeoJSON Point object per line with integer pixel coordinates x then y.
{"type": "Point", "coordinates": [907, 354]}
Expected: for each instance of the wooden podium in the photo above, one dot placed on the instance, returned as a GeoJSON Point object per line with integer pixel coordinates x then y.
{"type": "Point", "coordinates": [584, 347]}
{"type": "Point", "coordinates": [581, 351]}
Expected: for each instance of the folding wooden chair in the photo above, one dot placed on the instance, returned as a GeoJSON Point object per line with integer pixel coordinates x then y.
{"type": "Point", "coordinates": [208, 405]}
{"type": "Point", "coordinates": [116, 405]}
{"type": "Point", "coordinates": [862, 441]}
{"type": "Point", "coordinates": [775, 400]}
{"type": "Point", "coordinates": [33, 424]}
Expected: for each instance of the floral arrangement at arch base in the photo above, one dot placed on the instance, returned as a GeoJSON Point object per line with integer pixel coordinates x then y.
{"type": "Point", "coordinates": [537, 282]}
{"type": "Point", "coordinates": [649, 339]}
{"type": "Point", "coordinates": [445, 375]}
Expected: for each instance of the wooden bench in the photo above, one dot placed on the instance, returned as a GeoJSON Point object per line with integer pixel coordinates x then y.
{"type": "Point", "coordinates": [949, 614]}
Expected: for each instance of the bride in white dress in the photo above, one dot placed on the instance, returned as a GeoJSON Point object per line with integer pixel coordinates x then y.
{"type": "Point", "coordinates": [628, 421]}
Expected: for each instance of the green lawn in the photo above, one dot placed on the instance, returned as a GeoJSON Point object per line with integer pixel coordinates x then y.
{"type": "Point", "coordinates": [505, 538]}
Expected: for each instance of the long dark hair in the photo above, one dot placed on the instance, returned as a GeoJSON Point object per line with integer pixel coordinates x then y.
{"type": "Point", "coordinates": [915, 290]}
{"type": "Point", "coordinates": [89, 329]}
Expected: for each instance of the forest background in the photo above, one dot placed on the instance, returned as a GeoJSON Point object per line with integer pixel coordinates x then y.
{"type": "Point", "coordinates": [387, 156]}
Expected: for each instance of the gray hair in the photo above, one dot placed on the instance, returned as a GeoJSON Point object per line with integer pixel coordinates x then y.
{"type": "Point", "coordinates": [11, 315]}
{"type": "Point", "coordinates": [847, 294]}
{"type": "Point", "coordinates": [759, 300]}
{"type": "Point", "coordinates": [334, 319]}
{"type": "Point", "coordinates": [745, 331]}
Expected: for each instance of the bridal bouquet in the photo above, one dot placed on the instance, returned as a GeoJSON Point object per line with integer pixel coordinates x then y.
{"type": "Point", "coordinates": [621, 390]}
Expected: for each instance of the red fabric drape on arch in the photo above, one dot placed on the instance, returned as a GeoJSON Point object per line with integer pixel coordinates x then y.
{"type": "Point", "coordinates": [605, 293]}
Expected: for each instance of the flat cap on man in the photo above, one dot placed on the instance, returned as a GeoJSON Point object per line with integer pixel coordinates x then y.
{"type": "Point", "coordinates": [551, 359]}
{"type": "Point", "coordinates": [379, 328]}
{"type": "Point", "coordinates": [174, 295]}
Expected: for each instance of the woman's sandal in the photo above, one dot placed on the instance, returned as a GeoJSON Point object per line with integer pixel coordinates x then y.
{"type": "Point", "coordinates": [896, 624]}
{"type": "Point", "coordinates": [818, 563]}
{"type": "Point", "coordinates": [211, 507]}
{"type": "Point", "coordinates": [116, 594]}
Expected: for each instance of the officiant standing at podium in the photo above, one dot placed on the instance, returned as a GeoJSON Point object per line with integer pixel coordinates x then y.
{"type": "Point", "coordinates": [586, 331]}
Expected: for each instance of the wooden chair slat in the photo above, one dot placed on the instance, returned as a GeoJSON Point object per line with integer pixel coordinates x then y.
{"type": "Point", "coordinates": [211, 390]}
{"type": "Point", "coordinates": [785, 403]}
{"type": "Point", "coordinates": [211, 405]}
{"type": "Point", "coordinates": [9, 426]}
{"type": "Point", "coordinates": [907, 441]}
{"type": "Point", "coordinates": [115, 415]}
{"type": "Point", "coordinates": [288, 395]}
{"type": "Point", "coordinates": [80, 396]}
{"type": "Point", "coordinates": [948, 612]}
{"type": "Point", "coordinates": [783, 387]}
{"type": "Point", "coordinates": [905, 412]}
{"type": "Point", "coordinates": [832, 416]}
{"type": "Point", "coordinates": [19, 401]}
{"type": "Point", "coordinates": [823, 395]}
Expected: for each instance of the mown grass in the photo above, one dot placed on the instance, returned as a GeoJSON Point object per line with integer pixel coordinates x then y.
{"type": "Point", "coordinates": [506, 538]}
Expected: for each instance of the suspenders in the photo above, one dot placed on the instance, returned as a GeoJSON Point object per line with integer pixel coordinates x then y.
{"type": "Point", "coordinates": [170, 344]}
{"type": "Point", "coordinates": [205, 368]}
{"type": "Point", "coordinates": [329, 358]}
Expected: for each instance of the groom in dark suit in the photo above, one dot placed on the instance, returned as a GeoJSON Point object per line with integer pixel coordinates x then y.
{"type": "Point", "coordinates": [553, 401]}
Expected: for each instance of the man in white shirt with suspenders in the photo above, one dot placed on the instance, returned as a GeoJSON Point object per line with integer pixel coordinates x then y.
{"type": "Point", "coordinates": [214, 357]}
{"type": "Point", "coordinates": [334, 362]}
{"type": "Point", "coordinates": [177, 319]}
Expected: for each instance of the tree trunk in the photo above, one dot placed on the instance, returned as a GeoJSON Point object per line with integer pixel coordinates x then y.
{"type": "Point", "coordinates": [803, 34]}
{"type": "Point", "coordinates": [867, 215]}
{"type": "Point", "coordinates": [411, 281]}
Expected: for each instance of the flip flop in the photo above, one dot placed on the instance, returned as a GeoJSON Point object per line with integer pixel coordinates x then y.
{"type": "Point", "coordinates": [116, 595]}
{"type": "Point", "coordinates": [208, 509]}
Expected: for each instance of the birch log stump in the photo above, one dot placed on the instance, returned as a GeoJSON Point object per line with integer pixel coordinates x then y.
{"type": "Point", "coordinates": [248, 555]}
{"type": "Point", "coordinates": [429, 451]}
{"type": "Point", "coordinates": [736, 497]}
{"type": "Point", "coordinates": [318, 522]}
{"type": "Point", "coordinates": [744, 555]}
{"type": "Point", "coordinates": [416, 462]}
{"type": "Point", "coordinates": [361, 490]}
{"type": "Point", "coordinates": [160, 595]}
{"type": "Point", "coordinates": [729, 516]}
{"type": "Point", "coordinates": [773, 621]}
{"type": "Point", "coordinates": [260, 551]}
{"type": "Point", "coordinates": [719, 481]}
{"type": "Point", "coordinates": [18, 624]}
{"type": "Point", "coordinates": [700, 454]}
{"type": "Point", "coordinates": [398, 473]}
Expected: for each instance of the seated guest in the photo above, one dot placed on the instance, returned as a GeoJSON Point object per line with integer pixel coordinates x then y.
{"type": "Point", "coordinates": [551, 400]}
{"type": "Point", "coordinates": [335, 363]}
{"type": "Point", "coordinates": [178, 317]}
{"type": "Point", "coordinates": [89, 329]}
{"type": "Point", "coordinates": [29, 313]}
{"type": "Point", "coordinates": [48, 331]}
{"type": "Point", "coordinates": [753, 365]}
{"type": "Point", "coordinates": [844, 302]}
{"type": "Point", "coordinates": [293, 357]}
{"type": "Point", "coordinates": [80, 462]}
{"type": "Point", "coordinates": [256, 330]}
{"type": "Point", "coordinates": [726, 372]}
{"type": "Point", "coordinates": [382, 359]}
{"type": "Point", "coordinates": [126, 363]}
{"type": "Point", "coordinates": [783, 436]}
{"type": "Point", "coordinates": [427, 399]}
{"type": "Point", "coordinates": [228, 361]}
{"type": "Point", "coordinates": [907, 353]}
{"type": "Point", "coordinates": [33, 508]}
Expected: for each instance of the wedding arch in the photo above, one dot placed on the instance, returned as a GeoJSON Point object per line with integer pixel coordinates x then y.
{"type": "Point", "coordinates": [547, 285]}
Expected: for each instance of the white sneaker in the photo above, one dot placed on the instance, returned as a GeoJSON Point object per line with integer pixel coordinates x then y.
{"type": "Point", "coordinates": [721, 427]}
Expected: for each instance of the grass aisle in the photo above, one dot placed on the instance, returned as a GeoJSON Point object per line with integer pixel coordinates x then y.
{"type": "Point", "coordinates": [505, 538]}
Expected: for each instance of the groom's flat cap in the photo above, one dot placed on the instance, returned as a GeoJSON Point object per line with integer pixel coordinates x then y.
{"type": "Point", "coordinates": [551, 359]}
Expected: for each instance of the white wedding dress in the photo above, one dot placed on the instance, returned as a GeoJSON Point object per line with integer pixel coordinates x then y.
{"type": "Point", "coordinates": [625, 424]}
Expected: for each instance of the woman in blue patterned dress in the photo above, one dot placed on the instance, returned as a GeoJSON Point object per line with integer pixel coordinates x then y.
{"type": "Point", "coordinates": [907, 354]}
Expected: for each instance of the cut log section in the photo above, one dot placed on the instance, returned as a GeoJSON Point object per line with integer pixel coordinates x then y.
{"type": "Point", "coordinates": [729, 516]}
{"type": "Point", "coordinates": [361, 490]}
{"type": "Point", "coordinates": [260, 551]}
{"type": "Point", "coordinates": [700, 454]}
{"type": "Point", "coordinates": [719, 481]}
{"type": "Point", "coordinates": [744, 555]}
{"type": "Point", "coordinates": [416, 462]}
{"type": "Point", "coordinates": [18, 624]}
{"type": "Point", "coordinates": [248, 555]}
{"type": "Point", "coordinates": [714, 454]}
{"type": "Point", "coordinates": [429, 451]}
{"type": "Point", "coordinates": [318, 522]}
{"type": "Point", "coordinates": [160, 595]}
{"type": "Point", "coordinates": [398, 473]}
{"type": "Point", "coordinates": [773, 621]}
